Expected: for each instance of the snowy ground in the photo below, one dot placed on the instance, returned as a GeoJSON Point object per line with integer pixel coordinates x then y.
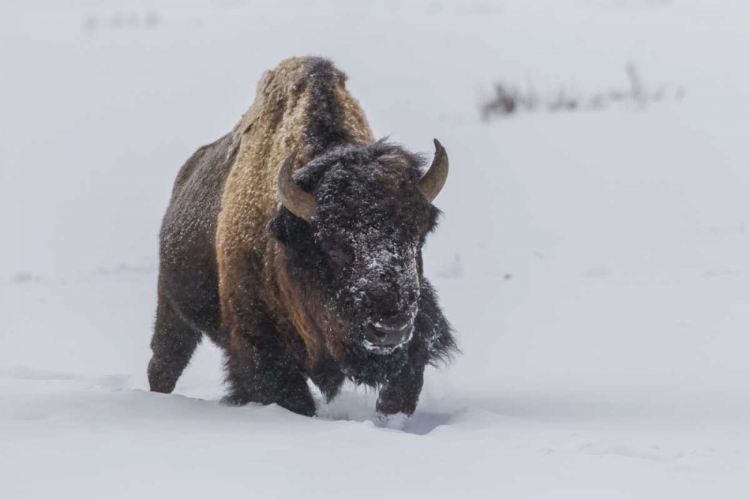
{"type": "Point", "coordinates": [596, 265]}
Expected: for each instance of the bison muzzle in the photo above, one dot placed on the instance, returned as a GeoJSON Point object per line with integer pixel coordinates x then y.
{"type": "Point", "coordinates": [295, 244]}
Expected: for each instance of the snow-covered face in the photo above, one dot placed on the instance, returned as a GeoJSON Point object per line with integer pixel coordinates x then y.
{"type": "Point", "coordinates": [364, 257]}
{"type": "Point", "coordinates": [375, 273]}
{"type": "Point", "coordinates": [371, 223]}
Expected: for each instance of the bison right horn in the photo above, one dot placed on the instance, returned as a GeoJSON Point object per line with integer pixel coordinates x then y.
{"type": "Point", "coordinates": [433, 181]}
{"type": "Point", "coordinates": [297, 201]}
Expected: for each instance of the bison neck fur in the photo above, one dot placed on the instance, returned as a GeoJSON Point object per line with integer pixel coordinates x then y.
{"type": "Point", "coordinates": [289, 299]}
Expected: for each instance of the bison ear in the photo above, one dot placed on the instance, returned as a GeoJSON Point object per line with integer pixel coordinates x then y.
{"type": "Point", "coordinates": [278, 228]}
{"type": "Point", "coordinates": [287, 228]}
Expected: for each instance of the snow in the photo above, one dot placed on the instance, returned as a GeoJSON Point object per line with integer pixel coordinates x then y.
{"type": "Point", "coordinates": [595, 264]}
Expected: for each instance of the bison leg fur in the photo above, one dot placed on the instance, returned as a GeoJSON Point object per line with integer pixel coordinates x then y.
{"type": "Point", "coordinates": [173, 344]}
{"type": "Point", "coordinates": [260, 370]}
{"type": "Point", "coordinates": [401, 393]}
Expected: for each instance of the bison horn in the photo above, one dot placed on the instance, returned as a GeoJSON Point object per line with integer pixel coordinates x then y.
{"type": "Point", "coordinates": [433, 181]}
{"type": "Point", "coordinates": [300, 203]}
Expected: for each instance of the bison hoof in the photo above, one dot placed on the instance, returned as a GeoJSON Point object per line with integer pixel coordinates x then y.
{"type": "Point", "coordinates": [300, 408]}
{"type": "Point", "coordinates": [397, 421]}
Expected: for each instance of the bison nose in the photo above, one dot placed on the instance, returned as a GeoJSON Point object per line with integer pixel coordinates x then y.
{"type": "Point", "coordinates": [389, 334]}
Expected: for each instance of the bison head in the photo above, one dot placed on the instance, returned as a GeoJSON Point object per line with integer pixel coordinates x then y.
{"type": "Point", "coordinates": [353, 222]}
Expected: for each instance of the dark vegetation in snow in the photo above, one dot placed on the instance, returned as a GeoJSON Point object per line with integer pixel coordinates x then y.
{"type": "Point", "coordinates": [509, 99]}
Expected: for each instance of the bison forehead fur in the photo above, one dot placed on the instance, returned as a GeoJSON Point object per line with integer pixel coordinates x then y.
{"type": "Point", "coordinates": [290, 298]}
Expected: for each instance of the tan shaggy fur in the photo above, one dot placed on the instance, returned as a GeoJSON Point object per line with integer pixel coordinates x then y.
{"type": "Point", "coordinates": [267, 134]}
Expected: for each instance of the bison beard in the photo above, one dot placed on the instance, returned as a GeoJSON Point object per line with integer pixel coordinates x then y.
{"type": "Point", "coordinates": [312, 275]}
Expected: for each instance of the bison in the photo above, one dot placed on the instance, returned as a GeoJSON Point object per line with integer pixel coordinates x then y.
{"type": "Point", "coordinates": [294, 243]}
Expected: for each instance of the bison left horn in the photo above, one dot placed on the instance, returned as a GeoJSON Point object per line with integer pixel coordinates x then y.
{"type": "Point", "coordinates": [297, 201]}
{"type": "Point", "coordinates": [433, 181]}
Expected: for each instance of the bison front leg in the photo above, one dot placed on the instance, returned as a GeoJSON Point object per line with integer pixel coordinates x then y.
{"type": "Point", "coordinates": [260, 370]}
{"type": "Point", "coordinates": [433, 342]}
{"type": "Point", "coordinates": [401, 393]}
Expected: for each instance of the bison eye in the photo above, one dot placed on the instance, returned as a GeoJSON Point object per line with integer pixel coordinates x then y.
{"type": "Point", "coordinates": [338, 254]}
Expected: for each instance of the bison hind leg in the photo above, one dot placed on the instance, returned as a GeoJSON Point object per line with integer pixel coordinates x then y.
{"type": "Point", "coordinates": [173, 344]}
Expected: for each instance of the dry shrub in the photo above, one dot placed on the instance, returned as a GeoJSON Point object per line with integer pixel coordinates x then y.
{"type": "Point", "coordinates": [508, 100]}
